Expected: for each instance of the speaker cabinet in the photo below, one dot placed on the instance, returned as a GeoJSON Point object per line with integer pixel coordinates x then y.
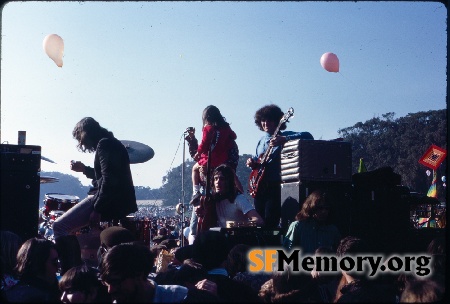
{"type": "Point", "coordinates": [339, 195]}
{"type": "Point", "coordinates": [318, 160]}
{"type": "Point", "coordinates": [20, 186]}
{"type": "Point", "coordinates": [380, 208]}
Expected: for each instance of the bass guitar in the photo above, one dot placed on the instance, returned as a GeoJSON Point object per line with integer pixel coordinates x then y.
{"type": "Point", "coordinates": [257, 174]}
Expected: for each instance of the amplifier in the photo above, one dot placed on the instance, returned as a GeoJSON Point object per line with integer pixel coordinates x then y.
{"type": "Point", "coordinates": [252, 236]}
{"type": "Point", "coordinates": [319, 160]}
{"type": "Point", "coordinates": [20, 187]}
{"type": "Point", "coordinates": [20, 158]}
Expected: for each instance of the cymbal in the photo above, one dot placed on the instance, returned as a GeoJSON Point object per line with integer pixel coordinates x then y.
{"type": "Point", "coordinates": [48, 179]}
{"type": "Point", "coordinates": [47, 159]}
{"type": "Point", "coordinates": [138, 152]}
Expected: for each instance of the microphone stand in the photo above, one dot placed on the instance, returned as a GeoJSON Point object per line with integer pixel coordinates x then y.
{"type": "Point", "coordinates": [182, 191]}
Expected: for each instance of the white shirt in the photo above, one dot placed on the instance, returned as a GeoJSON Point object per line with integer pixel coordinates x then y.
{"type": "Point", "coordinates": [235, 211]}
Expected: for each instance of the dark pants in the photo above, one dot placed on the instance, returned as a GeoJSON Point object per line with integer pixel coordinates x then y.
{"type": "Point", "coordinates": [268, 203]}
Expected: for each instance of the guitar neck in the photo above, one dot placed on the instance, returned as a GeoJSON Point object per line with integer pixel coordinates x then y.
{"type": "Point", "coordinates": [269, 150]}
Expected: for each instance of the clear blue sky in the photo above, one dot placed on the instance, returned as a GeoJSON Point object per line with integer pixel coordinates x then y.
{"type": "Point", "coordinates": [146, 70]}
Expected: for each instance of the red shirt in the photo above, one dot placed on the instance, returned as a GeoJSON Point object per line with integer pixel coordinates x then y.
{"type": "Point", "coordinates": [219, 154]}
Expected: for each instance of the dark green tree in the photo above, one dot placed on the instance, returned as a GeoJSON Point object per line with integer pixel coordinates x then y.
{"type": "Point", "coordinates": [399, 144]}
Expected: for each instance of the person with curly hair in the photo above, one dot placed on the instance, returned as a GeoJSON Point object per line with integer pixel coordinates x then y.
{"type": "Point", "coordinates": [268, 196]}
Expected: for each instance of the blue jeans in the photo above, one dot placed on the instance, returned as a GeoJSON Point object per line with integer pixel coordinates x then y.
{"type": "Point", "coordinates": [194, 223]}
{"type": "Point", "coordinates": [75, 218]}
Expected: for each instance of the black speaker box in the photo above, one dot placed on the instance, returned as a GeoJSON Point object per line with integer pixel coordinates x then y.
{"type": "Point", "coordinates": [339, 194]}
{"type": "Point", "coordinates": [20, 186]}
{"type": "Point", "coordinates": [380, 208]}
{"type": "Point", "coordinates": [319, 160]}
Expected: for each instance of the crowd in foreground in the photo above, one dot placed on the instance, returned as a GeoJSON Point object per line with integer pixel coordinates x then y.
{"type": "Point", "coordinates": [211, 270]}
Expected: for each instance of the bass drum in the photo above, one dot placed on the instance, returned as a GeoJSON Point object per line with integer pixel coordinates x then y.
{"type": "Point", "coordinates": [59, 201]}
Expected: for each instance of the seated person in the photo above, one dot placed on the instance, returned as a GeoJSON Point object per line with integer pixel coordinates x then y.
{"type": "Point", "coordinates": [230, 204]}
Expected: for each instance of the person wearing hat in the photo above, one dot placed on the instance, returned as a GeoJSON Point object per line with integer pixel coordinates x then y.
{"type": "Point", "coordinates": [112, 236]}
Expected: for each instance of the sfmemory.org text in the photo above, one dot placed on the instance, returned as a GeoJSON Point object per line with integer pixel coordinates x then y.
{"type": "Point", "coordinates": [268, 260]}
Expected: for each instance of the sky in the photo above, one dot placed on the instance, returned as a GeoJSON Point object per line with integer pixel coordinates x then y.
{"type": "Point", "coordinates": [146, 70]}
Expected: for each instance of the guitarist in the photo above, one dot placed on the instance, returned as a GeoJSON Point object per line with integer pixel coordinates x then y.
{"type": "Point", "coordinates": [268, 196]}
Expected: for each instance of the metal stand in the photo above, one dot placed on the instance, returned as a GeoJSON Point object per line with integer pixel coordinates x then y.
{"type": "Point", "coordinates": [182, 192]}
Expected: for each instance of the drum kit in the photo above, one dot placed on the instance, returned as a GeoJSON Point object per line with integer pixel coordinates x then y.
{"type": "Point", "coordinates": [56, 204]}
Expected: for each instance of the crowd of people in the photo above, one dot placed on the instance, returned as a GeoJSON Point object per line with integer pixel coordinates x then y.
{"type": "Point", "coordinates": [211, 270]}
{"type": "Point", "coordinates": [148, 256]}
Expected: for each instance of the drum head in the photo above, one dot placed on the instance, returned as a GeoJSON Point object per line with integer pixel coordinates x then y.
{"type": "Point", "coordinates": [59, 197]}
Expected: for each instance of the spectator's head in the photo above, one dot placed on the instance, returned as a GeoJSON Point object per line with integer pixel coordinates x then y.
{"type": "Point", "coordinates": [169, 244]}
{"type": "Point", "coordinates": [37, 258]}
{"type": "Point", "coordinates": [162, 231]}
{"type": "Point", "coordinates": [293, 288]}
{"type": "Point", "coordinates": [315, 206]}
{"type": "Point", "coordinates": [210, 249]}
{"type": "Point", "coordinates": [186, 275]}
{"type": "Point", "coordinates": [237, 260]}
{"type": "Point", "coordinates": [124, 269]}
{"type": "Point", "coordinates": [422, 291]}
{"type": "Point", "coordinates": [352, 246]}
{"type": "Point", "coordinates": [112, 236]}
{"type": "Point", "coordinates": [80, 284]}
{"type": "Point", "coordinates": [10, 243]}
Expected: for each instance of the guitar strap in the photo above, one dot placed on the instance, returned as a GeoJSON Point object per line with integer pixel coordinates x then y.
{"type": "Point", "coordinates": [215, 139]}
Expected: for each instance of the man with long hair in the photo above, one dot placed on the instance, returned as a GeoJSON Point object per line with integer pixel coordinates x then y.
{"type": "Point", "coordinates": [231, 204]}
{"type": "Point", "coordinates": [112, 196]}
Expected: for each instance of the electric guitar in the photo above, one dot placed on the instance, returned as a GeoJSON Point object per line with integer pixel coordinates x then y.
{"type": "Point", "coordinates": [257, 174]}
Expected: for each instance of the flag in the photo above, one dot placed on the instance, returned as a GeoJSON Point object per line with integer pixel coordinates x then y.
{"type": "Point", "coordinates": [362, 167]}
{"type": "Point", "coordinates": [432, 192]}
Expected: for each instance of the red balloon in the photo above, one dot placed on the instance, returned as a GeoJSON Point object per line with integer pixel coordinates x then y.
{"type": "Point", "coordinates": [330, 62]}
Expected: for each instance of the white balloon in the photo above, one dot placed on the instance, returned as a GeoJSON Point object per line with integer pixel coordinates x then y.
{"type": "Point", "coordinates": [54, 47]}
